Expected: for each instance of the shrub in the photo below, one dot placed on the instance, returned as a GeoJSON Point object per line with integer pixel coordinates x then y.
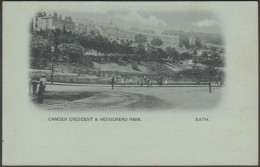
{"type": "Point", "coordinates": [135, 67]}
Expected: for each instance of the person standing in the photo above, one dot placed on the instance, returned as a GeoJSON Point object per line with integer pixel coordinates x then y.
{"type": "Point", "coordinates": [160, 81]}
{"type": "Point", "coordinates": [145, 79]}
{"type": "Point", "coordinates": [112, 82]}
{"type": "Point", "coordinates": [110, 78]}
{"type": "Point", "coordinates": [166, 81]}
{"type": "Point", "coordinates": [41, 89]}
{"type": "Point", "coordinates": [34, 84]}
{"type": "Point", "coordinates": [40, 92]}
{"type": "Point", "coordinates": [123, 82]}
{"type": "Point", "coordinates": [30, 85]}
{"type": "Point", "coordinates": [131, 81]}
{"type": "Point", "coordinates": [148, 82]}
{"type": "Point", "coordinates": [142, 80]}
{"type": "Point", "coordinates": [151, 82]}
{"type": "Point", "coordinates": [44, 80]}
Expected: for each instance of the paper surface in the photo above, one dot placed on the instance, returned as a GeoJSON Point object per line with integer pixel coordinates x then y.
{"type": "Point", "coordinates": [171, 137]}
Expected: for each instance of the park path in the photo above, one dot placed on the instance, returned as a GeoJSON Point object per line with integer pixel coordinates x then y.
{"type": "Point", "coordinates": [90, 98]}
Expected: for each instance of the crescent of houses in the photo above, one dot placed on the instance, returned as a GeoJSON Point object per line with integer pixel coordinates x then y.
{"type": "Point", "coordinates": [42, 21]}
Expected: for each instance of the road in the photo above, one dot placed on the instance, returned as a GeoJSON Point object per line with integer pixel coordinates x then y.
{"type": "Point", "coordinates": [82, 97]}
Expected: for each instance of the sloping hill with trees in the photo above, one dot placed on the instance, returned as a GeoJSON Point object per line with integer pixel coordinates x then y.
{"type": "Point", "coordinates": [93, 54]}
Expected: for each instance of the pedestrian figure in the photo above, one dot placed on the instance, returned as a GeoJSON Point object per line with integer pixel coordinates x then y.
{"type": "Point", "coordinates": [112, 82]}
{"type": "Point", "coordinates": [110, 78]}
{"type": "Point", "coordinates": [141, 82]}
{"type": "Point", "coordinates": [131, 81]}
{"type": "Point", "coordinates": [43, 79]}
{"type": "Point", "coordinates": [166, 82]}
{"type": "Point", "coordinates": [30, 85]}
{"type": "Point", "coordinates": [221, 81]}
{"type": "Point", "coordinates": [41, 89]}
{"type": "Point", "coordinates": [145, 79]}
{"type": "Point", "coordinates": [161, 81]}
{"type": "Point", "coordinates": [216, 82]}
{"type": "Point", "coordinates": [148, 82]}
{"type": "Point", "coordinates": [123, 82]}
{"type": "Point", "coordinates": [34, 84]}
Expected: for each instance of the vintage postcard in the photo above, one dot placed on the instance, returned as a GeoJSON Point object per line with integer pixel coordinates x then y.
{"type": "Point", "coordinates": [130, 83]}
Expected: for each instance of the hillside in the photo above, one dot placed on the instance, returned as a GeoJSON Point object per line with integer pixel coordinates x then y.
{"type": "Point", "coordinates": [122, 67]}
{"type": "Point", "coordinates": [94, 58]}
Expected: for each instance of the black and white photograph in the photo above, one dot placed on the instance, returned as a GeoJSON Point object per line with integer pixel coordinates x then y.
{"type": "Point", "coordinates": [126, 59]}
{"type": "Point", "coordinates": [130, 83]}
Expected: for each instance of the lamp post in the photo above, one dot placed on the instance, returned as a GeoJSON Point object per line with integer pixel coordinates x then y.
{"type": "Point", "coordinates": [52, 57]}
{"type": "Point", "coordinates": [209, 87]}
{"type": "Point", "coordinates": [78, 74]}
{"type": "Point", "coordinates": [99, 72]}
{"type": "Point", "coordinates": [210, 73]}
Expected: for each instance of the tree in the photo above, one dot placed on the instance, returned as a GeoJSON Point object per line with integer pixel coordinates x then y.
{"type": "Point", "coordinates": [31, 26]}
{"type": "Point", "coordinates": [122, 41]}
{"type": "Point", "coordinates": [125, 48]}
{"type": "Point", "coordinates": [72, 53]}
{"type": "Point", "coordinates": [153, 53]}
{"type": "Point", "coordinates": [63, 29]}
{"type": "Point", "coordinates": [161, 54]}
{"type": "Point", "coordinates": [186, 56]}
{"type": "Point", "coordinates": [204, 58]}
{"type": "Point", "coordinates": [40, 51]}
{"type": "Point", "coordinates": [140, 38]}
{"type": "Point", "coordinates": [186, 43]}
{"type": "Point", "coordinates": [198, 43]}
{"type": "Point", "coordinates": [217, 60]}
{"type": "Point", "coordinates": [52, 37]}
{"type": "Point", "coordinates": [211, 61]}
{"type": "Point", "coordinates": [195, 60]}
{"type": "Point", "coordinates": [156, 41]}
{"type": "Point", "coordinates": [92, 32]}
{"type": "Point", "coordinates": [140, 52]}
{"type": "Point", "coordinates": [99, 43]}
{"type": "Point", "coordinates": [173, 54]}
{"type": "Point", "coordinates": [213, 48]}
{"type": "Point", "coordinates": [195, 52]}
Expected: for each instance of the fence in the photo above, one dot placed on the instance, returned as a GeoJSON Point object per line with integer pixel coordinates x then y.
{"type": "Point", "coordinates": [103, 77]}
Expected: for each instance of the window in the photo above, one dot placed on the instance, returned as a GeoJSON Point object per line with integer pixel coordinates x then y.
{"type": "Point", "coordinates": [36, 19]}
{"type": "Point", "coordinates": [36, 25]}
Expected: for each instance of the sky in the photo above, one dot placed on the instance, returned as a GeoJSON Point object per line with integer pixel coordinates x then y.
{"type": "Point", "coordinates": [156, 16]}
